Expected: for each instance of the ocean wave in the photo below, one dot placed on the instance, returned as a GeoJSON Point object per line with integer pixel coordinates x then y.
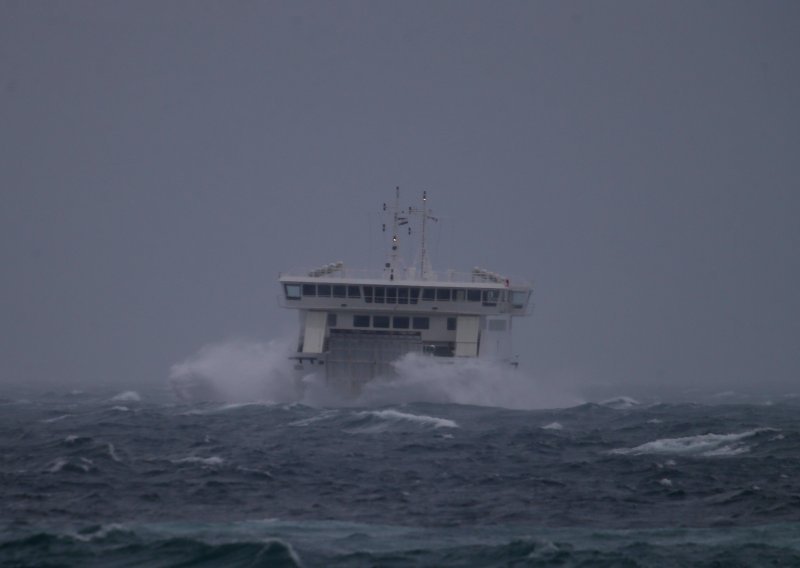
{"type": "Point", "coordinates": [707, 445]}
{"type": "Point", "coordinates": [62, 464]}
{"type": "Point", "coordinates": [372, 421]}
{"type": "Point", "coordinates": [620, 402]}
{"type": "Point", "coordinates": [127, 396]}
{"type": "Point", "coordinates": [213, 461]}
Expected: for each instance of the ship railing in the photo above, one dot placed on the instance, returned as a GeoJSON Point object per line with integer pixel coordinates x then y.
{"type": "Point", "coordinates": [337, 271]}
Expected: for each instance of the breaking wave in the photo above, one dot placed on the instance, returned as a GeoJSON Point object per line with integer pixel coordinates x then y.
{"type": "Point", "coordinates": [242, 371]}
{"type": "Point", "coordinates": [707, 445]}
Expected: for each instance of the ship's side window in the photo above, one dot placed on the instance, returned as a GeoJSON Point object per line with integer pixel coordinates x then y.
{"type": "Point", "coordinates": [368, 294]}
{"type": "Point", "coordinates": [421, 323]}
{"type": "Point", "coordinates": [360, 321]}
{"type": "Point", "coordinates": [458, 295]}
{"type": "Point", "coordinates": [391, 295]}
{"type": "Point", "coordinates": [518, 299]}
{"type": "Point", "coordinates": [339, 290]}
{"type": "Point", "coordinates": [331, 320]}
{"type": "Point", "coordinates": [443, 294]}
{"type": "Point", "coordinates": [309, 289]}
{"type": "Point", "coordinates": [353, 292]}
{"type": "Point", "coordinates": [380, 321]}
{"type": "Point", "coordinates": [380, 294]}
{"type": "Point", "coordinates": [451, 324]}
{"type": "Point", "coordinates": [292, 291]}
{"type": "Point", "coordinates": [414, 294]}
{"type": "Point", "coordinates": [400, 322]}
{"type": "Point", "coordinates": [402, 295]}
{"type": "Point", "coordinates": [490, 297]}
{"type": "Point", "coordinates": [324, 290]}
{"type": "Point", "coordinates": [474, 295]}
{"type": "Point", "coordinates": [429, 294]}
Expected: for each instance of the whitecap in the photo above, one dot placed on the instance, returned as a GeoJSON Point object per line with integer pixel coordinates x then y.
{"type": "Point", "coordinates": [553, 426]}
{"type": "Point", "coordinates": [322, 416]}
{"type": "Point", "coordinates": [211, 461]}
{"type": "Point", "coordinates": [55, 419]}
{"type": "Point", "coordinates": [128, 396]}
{"type": "Point", "coordinates": [113, 453]}
{"type": "Point", "coordinates": [620, 402]}
{"type": "Point", "coordinates": [121, 408]}
{"type": "Point", "coordinates": [709, 445]}
{"type": "Point", "coordinates": [57, 465]}
{"type": "Point", "coordinates": [391, 415]}
{"type": "Point", "coordinates": [666, 482]}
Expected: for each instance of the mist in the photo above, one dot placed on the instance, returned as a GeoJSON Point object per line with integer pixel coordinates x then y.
{"type": "Point", "coordinates": [160, 164]}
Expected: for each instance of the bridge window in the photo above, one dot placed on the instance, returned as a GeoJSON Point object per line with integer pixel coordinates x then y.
{"type": "Point", "coordinates": [353, 292]}
{"type": "Point", "coordinates": [458, 295]}
{"type": "Point", "coordinates": [518, 299]}
{"type": "Point", "coordinates": [391, 295]}
{"type": "Point", "coordinates": [400, 322]}
{"type": "Point", "coordinates": [360, 321]}
{"type": "Point", "coordinates": [402, 295]}
{"type": "Point", "coordinates": [368, 294]}
{"type": "Point", "coordinates": [380, 294]}
{"type": "Point", "coordinates": [429, 294]}
{"type": "Point", "coordinates": [339, 291]}
{"type": "Point", "coordinates": [309, 289]}
{"type": "Point", "coordinates": [324, 290]}
{"type": "Point", "coordinates": [473, 295]}
{"type": "Point", "coordinates": [380, 321]}
{"type": "Point", "coordinates": [443, 294]}
{"type": "Point", "coordinates": [414, 295]}
{"type": "Point", "coordinates": [421, 323]}
{"type": "Point", "coordinates": [490, 297]}
{"type": "Point", "coordinates": [292, 291]}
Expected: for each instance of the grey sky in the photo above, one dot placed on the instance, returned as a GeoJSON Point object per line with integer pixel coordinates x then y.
{"type": "Point", "coordinates": [161, 162]}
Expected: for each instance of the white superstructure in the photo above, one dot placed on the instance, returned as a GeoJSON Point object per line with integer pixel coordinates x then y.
{"type": "Point", "coordinates": [355, 323]}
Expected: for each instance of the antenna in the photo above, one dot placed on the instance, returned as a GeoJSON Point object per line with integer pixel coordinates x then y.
{"type": "Point", "coordinates": [424, 261]}
{"type": "Point", "coordinates": [399, 218]}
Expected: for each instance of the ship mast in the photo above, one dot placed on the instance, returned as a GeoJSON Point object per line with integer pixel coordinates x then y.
{"type": "Point", "coordinates": [424, 261]}
{"type": "Point", "coordinates": [399, 217]}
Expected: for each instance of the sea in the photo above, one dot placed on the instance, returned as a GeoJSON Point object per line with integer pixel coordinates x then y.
{"type": "Point", "coordinates": [139, 478]}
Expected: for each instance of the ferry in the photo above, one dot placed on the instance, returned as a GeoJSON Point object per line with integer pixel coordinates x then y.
{"type": "Point", "coordinates": [355, 324]}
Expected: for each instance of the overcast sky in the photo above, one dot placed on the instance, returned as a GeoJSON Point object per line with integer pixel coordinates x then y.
{"type": "Point", "coordinates": [162, 162]}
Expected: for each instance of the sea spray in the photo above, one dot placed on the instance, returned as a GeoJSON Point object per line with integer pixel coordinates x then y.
{"type": "Point", "coordinates": [237, 370]}
{"type": "Point", "coordinates": [421, 378]}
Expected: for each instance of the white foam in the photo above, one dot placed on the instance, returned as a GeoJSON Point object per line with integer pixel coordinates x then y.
{"type": "Point", "coordinates": [212, 461]}
{"type": "Point", "coordinates": [395, 416]}
{"type": "Point", "coordinates": [113, 453]}
{"type": "Point", "coordinates": [322, 416]}
{"type": "Point", "coordinates": [621, 402]}
{"type": "Point", "coordinates": [709, 445]}
{"type": "Point", "coordinates": [238, 370]}
{"type": "Point", "coordinates": [55, 419]}
{"type": "Point", "coordinates": [472, 381]}
{"type": "Point", "coordinates": [102, 532]}
{"type": "Point", "coordinates": [128, 396]}
{"type": "Point", "coordinates": [57, 465]}
{"type": "Point", "coordinates": [666, 482]}
{"type": "Point", "coordinates": [553, 426]}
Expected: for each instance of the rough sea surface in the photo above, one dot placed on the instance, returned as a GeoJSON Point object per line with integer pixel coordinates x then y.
{"type": "Point", "coordinates": [91, 480]}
